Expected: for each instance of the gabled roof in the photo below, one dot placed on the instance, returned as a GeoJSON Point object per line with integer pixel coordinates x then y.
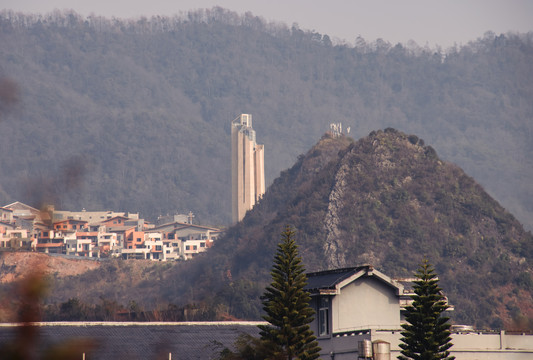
{"type": "Point", "coordinates": [200, 227]}
{"type": "Point", "coordinates": [180, 226]}
{"type": "Point", "coordinates": [332, 281]}
{"type": "Point", "coordinates": [114, 218]}
{"type": "Point", "coordinates": [41, 226]}
{"type": "Point", "coordinates": [18, 205]}
{"type": "Point", "coordinates": [72, 221]}
{"type": "Point", "coordinates": [119, 228]}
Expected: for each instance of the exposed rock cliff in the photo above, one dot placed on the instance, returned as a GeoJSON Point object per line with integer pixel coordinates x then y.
{"type": "Point", "coordinates": [387, 200]}
{"type": "Point", "coordinates": [333, 249]}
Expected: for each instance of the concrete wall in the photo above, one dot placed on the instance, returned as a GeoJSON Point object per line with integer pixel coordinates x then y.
{"type": "Point", "coordinates": [474, 346]}
{"type": "Point", "coordinates": [248, 191]}
{"type": "Point", "coordinates": [341, 347]}
{"type": "Point", "coordinates": [519, 341]}
{"type": "Point", "coordinates": [259, 168]}
{"type": "Point", "coordinates": [247, 160]}
{"type": "Point", "coordinates": [236, 169]}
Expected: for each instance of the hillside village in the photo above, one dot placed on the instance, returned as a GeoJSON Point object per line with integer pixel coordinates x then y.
{"type": "Point", "coordinates": [102, 234]}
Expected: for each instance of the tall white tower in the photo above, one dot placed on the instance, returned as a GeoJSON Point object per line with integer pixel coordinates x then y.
{"type": "Point", "coordinates": [247, 167]}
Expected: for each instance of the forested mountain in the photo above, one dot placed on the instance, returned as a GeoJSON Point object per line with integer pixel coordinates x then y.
{"type": "Point", "coordinates": [134, 115]}
{"type": "Point", "coordinates": [387, 200]}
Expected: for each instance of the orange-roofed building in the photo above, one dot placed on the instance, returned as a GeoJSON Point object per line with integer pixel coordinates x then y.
{"type": "Point", "coordinates": [69, 225]}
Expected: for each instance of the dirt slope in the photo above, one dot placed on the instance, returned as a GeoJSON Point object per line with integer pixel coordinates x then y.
{"type": "Point", "coordinates": [14, 265]}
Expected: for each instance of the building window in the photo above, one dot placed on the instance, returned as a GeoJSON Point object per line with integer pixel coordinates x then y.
{"type": "Point", "coordinates": [323, 316]}
{"type": "Point", "coordinates": [188, 247]}
{"type": "Point", "coordinates": [202, 244]}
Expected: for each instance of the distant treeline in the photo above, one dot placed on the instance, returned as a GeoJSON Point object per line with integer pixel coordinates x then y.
{"type": "Point", "coordinates": [134, 114]}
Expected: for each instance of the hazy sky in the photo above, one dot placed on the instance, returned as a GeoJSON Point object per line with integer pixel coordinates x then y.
{"type": "Point", "coordinates": [443, 22]}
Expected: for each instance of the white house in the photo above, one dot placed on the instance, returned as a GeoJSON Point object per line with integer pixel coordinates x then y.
{"type": "Point", "coordinates": [360, 308]}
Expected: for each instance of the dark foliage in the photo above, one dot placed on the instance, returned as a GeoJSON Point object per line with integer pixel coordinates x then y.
{"type": "Point", "coordinates": [398, 206]}
{"type": "Point", "coordinates": [426, 335]}
{"type": "Point", "coordinates": [286, 305]}
{"type": "Point", "coordinates": [144, 106]}
{"type": "Point", "coordinates": [248, 347]}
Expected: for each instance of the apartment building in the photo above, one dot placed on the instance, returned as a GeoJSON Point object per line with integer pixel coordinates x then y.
{"type": "Point", "coordinates": [102, 234]}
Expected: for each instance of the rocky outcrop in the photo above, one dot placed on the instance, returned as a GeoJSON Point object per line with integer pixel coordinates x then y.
{"type": "Point", "coordinates": [333, 250]}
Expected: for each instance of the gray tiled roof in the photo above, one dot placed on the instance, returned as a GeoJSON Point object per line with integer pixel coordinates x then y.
{"type": "Point", "coordinates": [144, 341]}
{"type": "Point", "coordinates": [329, 278]}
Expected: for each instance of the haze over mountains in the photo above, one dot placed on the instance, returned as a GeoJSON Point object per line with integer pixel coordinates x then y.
{"type": "Point", "coordinates": [137, 113]}
{"type": "Point", "coordinates": [387, 200]}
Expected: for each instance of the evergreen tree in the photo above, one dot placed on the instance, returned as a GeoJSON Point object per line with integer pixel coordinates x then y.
{"type": "Point", "coordinates": [426, 335]}
{"type": "Point", "coordinates": [248, 347]}
{"type": "Point", "coordinates": [286, 304]}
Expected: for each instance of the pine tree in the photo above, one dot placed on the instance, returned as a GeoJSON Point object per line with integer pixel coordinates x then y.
{"type": "Point", "coordinates": [248, 347]}
{"type": "Point", "coordinates": [426, 335]}
{"type": "Point", "coordinates": [286, 304]}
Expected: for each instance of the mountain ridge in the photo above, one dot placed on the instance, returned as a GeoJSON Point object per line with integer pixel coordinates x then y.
{"type": "Point", "coordinates": [413, 205]}
{"type": "Point", "coordinates": [386, 199]}
{"type": "Point", "coordinates": [145, 106]}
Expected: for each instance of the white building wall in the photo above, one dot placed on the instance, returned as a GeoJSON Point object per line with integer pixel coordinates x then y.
{"type": "Point", "coordinates": [473, 346]}
{"type": "Point", "coordinates": [367, 303]}
{"type": "Point", "coordinates": [259, 168]}
{"type": "Point", "coordinates": [519, 341]}
{"type": "Point", "coordinates": [105, 238]}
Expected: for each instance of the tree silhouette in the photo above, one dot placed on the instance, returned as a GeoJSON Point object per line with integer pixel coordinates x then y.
{"type": "Point", "coordinates": [426, 336]}
{"type": "Point", "coordinates": [286, 304]}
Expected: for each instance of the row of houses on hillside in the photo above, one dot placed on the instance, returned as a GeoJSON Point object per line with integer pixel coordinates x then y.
{"type": "Point", "coordinates": [102, 233]}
